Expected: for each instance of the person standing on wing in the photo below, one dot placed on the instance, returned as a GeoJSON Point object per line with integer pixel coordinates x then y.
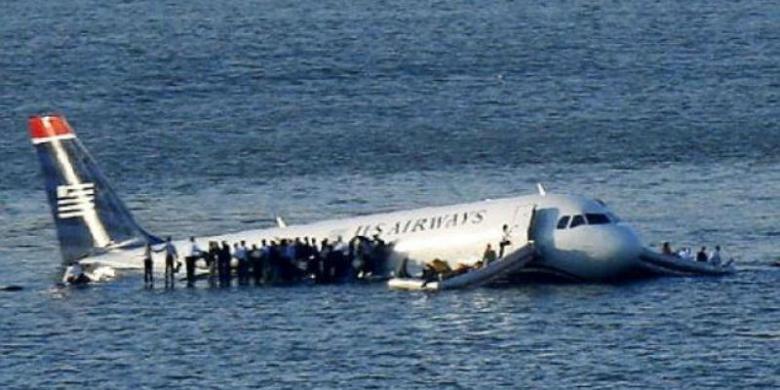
{"type": "Point", "coordinates": [256, 263]}
{"type": "Point", "coordinates": [212, 257]}
{"type": "Point", "coordinates": [148, 276]}
{"type": "Point", "coordinates": [189, 261]}
{"type": "Point", "coordinates": [224, 265]}
{"type": "Point", "coordinates": [240, 254]}
{"type": "Point", "coordinates": [170, 256]}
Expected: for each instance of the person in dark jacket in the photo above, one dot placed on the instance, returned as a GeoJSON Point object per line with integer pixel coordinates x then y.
{"type": "Point", "coordinates": [276, 262]}
{"type": "Point", "coordinates": [224, 265]}
{"type": "Point", "coordinates": [702, 255]}
{"type": "Point", "coordinates": [189, 265]}
{"type": "Point", "coordinates": [212, 260]}
{"type": "Point", "coordinates": [148, 275]}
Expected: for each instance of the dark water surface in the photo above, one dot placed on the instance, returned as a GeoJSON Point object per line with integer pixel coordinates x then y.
{"type": "Point", "coordinates": [213, 117]}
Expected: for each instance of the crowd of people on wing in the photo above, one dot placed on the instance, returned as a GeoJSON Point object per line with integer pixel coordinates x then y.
{"type": "Point", "coordinates": [687, 254]}
{"type": "Point", "coordinates": [279, 261]}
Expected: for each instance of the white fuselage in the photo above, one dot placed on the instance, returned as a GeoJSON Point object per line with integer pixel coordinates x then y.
{"type": "Point", "coordinates": [460, 234]}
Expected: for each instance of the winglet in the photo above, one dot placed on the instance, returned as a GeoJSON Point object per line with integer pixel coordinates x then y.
{"type": "Point", "coordinates": [280, 222]}
{"type": "Point", "coordinates": [541, 189]}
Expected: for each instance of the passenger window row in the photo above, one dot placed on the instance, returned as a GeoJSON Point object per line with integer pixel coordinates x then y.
{"type": "Point", "coordinates": [587, 219]}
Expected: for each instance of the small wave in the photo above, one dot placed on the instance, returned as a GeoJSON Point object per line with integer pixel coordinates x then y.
{"type": "Point", "coordinates": [760, 335]}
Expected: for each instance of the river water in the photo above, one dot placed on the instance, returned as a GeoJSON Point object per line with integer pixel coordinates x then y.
{"type": "Point", "coordinates": [211, 117]}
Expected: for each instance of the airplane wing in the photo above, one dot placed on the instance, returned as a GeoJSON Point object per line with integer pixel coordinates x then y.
{"type": "Point", "coordinates": [117, 259]}
{"type": "Point", "coordinates": [131, 259]}
{"type": "Point", "coordinates": [115, 264]}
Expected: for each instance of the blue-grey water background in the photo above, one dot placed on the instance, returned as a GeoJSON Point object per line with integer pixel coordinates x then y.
{"type": "Point", "coordinates": [214, 116]}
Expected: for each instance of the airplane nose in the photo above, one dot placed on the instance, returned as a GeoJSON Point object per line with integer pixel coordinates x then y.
{"type": "Point", "coordinates": [624, 244]}
{"type": "Point", "coordinates": [618, 245]}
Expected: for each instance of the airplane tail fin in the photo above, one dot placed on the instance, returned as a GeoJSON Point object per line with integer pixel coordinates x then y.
{"type": "Point", "coordinates": [89, 217]}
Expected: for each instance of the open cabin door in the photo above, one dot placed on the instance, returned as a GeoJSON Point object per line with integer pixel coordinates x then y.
{"type": "Point", "coordinates": [522, 228]}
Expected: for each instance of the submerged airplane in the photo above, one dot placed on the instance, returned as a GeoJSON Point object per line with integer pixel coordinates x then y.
{"type": "Point", "coordinates": [574, 237]}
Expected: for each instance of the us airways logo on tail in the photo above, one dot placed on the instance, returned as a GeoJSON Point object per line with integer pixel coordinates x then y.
{"type": "Point", "coordinates": [75, 200]}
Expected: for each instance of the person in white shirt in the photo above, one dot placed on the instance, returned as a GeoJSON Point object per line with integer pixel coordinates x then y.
{"type": "Point", "coordinates": [341, 246]}
{"type": "Point", "coordinates": [195, 250]}
{"type": "Point", "coordinates": [264, 248]}
{"type": "Point", "coordinates": [506, 234]}
{"type": "Point", "coordinates": [189, 261]}
{"type": "Point", "coordinates": [685, 254]}
{"type": "Point", "coordinates": [240, 253]}
{"type": "Point", "coordinates": [170, 256]}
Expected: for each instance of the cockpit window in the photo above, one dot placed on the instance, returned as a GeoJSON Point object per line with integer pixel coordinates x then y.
{"type": "Point", "coordinates": [614, 218]}
{"type": "Point", "coordinates": [563, 222]}
{"type": "Point", "coordinates": [597, 219]}
{"type": "Point", "coordinates": [577, 220]}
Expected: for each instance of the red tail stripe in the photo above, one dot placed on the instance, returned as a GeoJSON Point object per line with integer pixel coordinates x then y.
{"type": "Point", "coordinates": [48, 126]}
